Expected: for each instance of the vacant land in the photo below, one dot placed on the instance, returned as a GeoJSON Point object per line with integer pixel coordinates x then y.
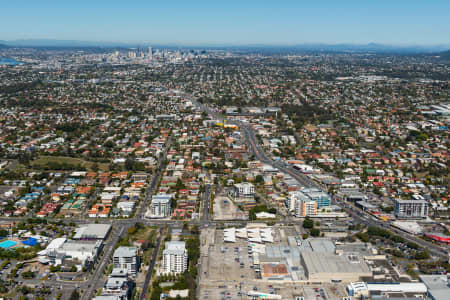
{"type": "Point", "coordinates": [61, 162]}
{"type": "Point", "coordinates": [225, 209]}
{"type": "Point", "coordinates": [144, 233]}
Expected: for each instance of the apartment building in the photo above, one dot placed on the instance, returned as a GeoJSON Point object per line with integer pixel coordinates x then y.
{"type": "Point", "coordinates": [411, 209]}
{"type": "Point", "coordinates": [125, 258]}
{"type": "Point", "coordinates": [160, 206]}
{"type": "Point", "coordinates": [301, 205]}
{"type": "Point", "coordinates": [305, 208]}
{"type": "Point", "coordinates": [243, 190]}
{"type": "Point", "coordinates": [175, 257]}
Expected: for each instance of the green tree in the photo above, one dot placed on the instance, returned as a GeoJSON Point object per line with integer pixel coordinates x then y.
{"type": "Point", "coordinates": [259, 179]}
{"type": "Point", "coordinates": [308, 223]}
{"type": "Point", "coordinates": [315, 232]}
{"type": "Point", "coordinates": [422, 255]}
{"type": "Point", "coordinates": [95, 167]}
{"type": "Point", "coordinates": [75, 295]}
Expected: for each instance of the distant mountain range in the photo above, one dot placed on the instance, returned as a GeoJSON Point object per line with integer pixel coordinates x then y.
{"type": "Point", "coordinates": [445, 55]}
{"type": "Point", "coordinates": [313, 47]}
{"type": "Point", "coordinates": [374, 47]}
{"type": "Point", "coordinates": [60, 43]}
{"type": "Point", "coordinates": [345, 48]}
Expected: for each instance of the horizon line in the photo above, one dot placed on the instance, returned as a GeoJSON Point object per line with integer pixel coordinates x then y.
{"type": "Point", "coordinates": [223, 44]}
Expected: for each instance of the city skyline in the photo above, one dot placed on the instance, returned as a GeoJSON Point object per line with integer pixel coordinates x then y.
{"type": "Point", "coordinates": [202, 23]}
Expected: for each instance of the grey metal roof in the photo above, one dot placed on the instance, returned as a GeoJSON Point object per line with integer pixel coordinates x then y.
{"type": "Point", "coordinates": [330, 263]}
{"type": "Point", "coordinates": [107, 298]}
{"type": "Point", "coordinates": [95, 231]}
{"type": "Point", "coordinates": [125, 252]}
{"type": "Point", "coordinates": [322, 245]}
{"type": "Point", "coordinates": [175, 247]}
{"type": "Point", "coordinates": [437, 286]}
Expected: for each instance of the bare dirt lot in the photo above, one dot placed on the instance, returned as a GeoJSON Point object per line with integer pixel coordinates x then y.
{"type": "Point", "coordinates": [225, 209]}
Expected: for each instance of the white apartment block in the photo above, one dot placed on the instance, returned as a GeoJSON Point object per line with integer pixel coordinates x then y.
{"type": "Point", "coordinates": [175, 257]}
{"type": "Point", "coordinates": [411, 209]}
{"type": "Point", "coordinates": [160, 206]}
{"type": "Point", "coordinates": [243, 190]}
{"type": "Point", "coordinates": [125, 258]}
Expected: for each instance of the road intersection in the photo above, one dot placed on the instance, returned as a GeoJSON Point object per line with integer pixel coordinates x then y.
{"type": "Point", "coordinates": [120, 226]}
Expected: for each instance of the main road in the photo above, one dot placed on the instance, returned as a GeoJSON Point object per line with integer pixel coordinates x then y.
{"type": "Point", "coordinates": [304, 180]}
{"type": "Point", "coordinates": [121, 225]}
{"type": "Point", "coordinates": [151, 189]}
{"type": "Point", "coordinates": [149, 274]}
{"type": "Point", "coordinates": [98, 279]}
{"type": "Point", "coordinates": [307, 182]}
{"type": "Point", "coordinates": [206, 204]}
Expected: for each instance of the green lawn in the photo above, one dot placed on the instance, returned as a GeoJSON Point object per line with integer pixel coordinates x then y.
{"type": "Point", "coordinates": [145, 233]}
{"type": "Point", "coordinates": [44, 160]}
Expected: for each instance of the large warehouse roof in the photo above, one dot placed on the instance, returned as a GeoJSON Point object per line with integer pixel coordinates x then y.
{"type": "Point", "coordinates": [92, 231]}
{"type": "Point", "coordinates": [438, 286]}
{"type": "Point", "coordinates": [330, 263]}
{"type": "Point", "coordinates": [403, 287]}
{"type": "Point", "coordinates": [322, 245]}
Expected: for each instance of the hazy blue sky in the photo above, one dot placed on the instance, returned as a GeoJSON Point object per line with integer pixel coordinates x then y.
{"type": "Point", "coordinates": [229, 22]}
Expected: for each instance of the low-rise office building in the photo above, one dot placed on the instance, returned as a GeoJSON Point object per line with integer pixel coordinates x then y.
{"type": "Point", "coordinates": [118, 285]}
{"type": "Point", "coordinates": [81, 252]}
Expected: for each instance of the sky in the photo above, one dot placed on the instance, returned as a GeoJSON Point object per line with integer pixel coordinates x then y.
{"type": "Point", "coordinates": [229, 22]}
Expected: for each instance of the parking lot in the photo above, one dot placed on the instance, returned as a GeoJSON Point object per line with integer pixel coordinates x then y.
{"type": "Point", "coordinates": [226, 272]}
{"type": "Point", "coordinates": [227, 262]}
{"type": "Point", "coordinates": [239, 290]}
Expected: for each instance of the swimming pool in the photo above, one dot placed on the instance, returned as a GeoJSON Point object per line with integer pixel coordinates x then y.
{"type": "Point", "coordinates": [7, 244]}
